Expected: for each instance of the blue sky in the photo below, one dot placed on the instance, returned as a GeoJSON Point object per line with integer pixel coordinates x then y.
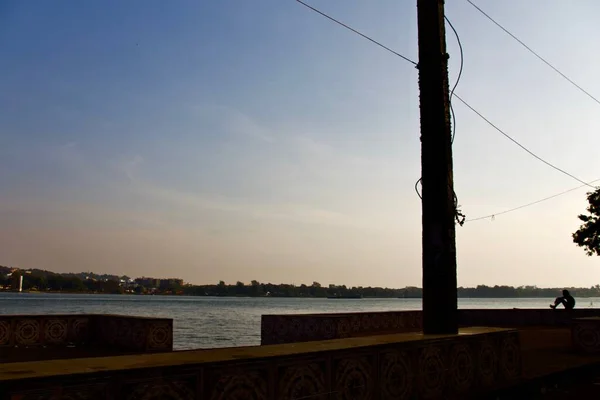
{"type": "Point", "coordinates": [243, 140]}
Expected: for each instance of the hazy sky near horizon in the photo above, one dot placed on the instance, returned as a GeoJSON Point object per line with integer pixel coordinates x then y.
{"type": "Point", "coordinates": [242, 140]}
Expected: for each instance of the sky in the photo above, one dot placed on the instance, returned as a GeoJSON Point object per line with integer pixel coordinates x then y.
{"type": "Point", "coordinates": [239, 140]}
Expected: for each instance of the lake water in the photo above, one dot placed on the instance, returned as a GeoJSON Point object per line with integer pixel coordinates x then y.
{"type": "Point", "coordinates": [204, 322]}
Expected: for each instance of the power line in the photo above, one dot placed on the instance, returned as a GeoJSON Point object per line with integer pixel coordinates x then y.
{"type": "Point", "coordinates": [453, 94]}
{"type": "Point", "coordinates": [492, 216]}
{"type": "Point", "coordinates": [450, 100]}
{"type": "Point", "coordinates": [458, 215]}
{"type": "Point", "coordinates": [462, 58]}
{"type": "Point", "coordinates": [460, 218]}
{"type": "Point", "coordinates": [520, 145]}
{"type": "Point", "coordinates": [357, 32]}
{"type": "Point", "coordinates": [534, 53]}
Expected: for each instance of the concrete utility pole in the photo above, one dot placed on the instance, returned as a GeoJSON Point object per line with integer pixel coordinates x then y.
{"type": "Point", "coordinates": [439, 246]}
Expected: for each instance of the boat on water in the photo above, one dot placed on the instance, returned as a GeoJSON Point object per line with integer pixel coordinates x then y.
{"type": "Point", "coordinates": [349, 296]}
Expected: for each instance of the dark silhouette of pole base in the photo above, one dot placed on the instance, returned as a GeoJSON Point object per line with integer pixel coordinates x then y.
{"type": "Point", "coordinates": [439, 245]}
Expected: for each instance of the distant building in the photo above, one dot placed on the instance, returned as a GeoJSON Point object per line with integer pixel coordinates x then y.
{"type": "Point", "coordinates": [16, 282]}
{"type": "Point", "coordinates": [127, 283]}
{"type": "Point", "coordinates": [157, 283]}
{"type": "Point", "coordinates": [170, 283]}
{"type": "Point", "coordinates": [148, 282]}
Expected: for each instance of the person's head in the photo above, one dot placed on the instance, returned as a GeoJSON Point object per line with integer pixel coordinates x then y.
{"type": "Point", "coordinates": [565, 292]}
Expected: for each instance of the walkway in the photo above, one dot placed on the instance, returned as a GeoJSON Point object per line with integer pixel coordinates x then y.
{"type": "Point", "coordinates": [552, 370]}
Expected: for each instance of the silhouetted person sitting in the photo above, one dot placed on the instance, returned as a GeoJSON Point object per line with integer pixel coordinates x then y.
{"type": "Point", "coordinates": [566, 300]}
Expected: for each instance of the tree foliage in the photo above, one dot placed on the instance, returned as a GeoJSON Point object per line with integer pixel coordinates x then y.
{"type": "Point", "coordinates": [588, 234]}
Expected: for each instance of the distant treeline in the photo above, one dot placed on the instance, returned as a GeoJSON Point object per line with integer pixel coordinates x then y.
{"type": "Point", "coordinates": [62, 283]}
{"type": "Point", "coordinates": [257, 289]}
{"type": "Point", "coordinates": [41, 280]}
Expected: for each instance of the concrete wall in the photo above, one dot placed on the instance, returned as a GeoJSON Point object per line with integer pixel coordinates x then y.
{"type": "Point", "coordinates": [401, 366]}
{"type": "Point", "coordinates": [524, 317]}
{"type": "Point", "coordinates": [276, 329]}
{"type": "Point", "coordinates": [46, 335]}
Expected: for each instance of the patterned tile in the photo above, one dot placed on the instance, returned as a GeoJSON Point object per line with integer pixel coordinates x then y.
{"type": "Point", "coordinates": [344, 328]}
{"type": "Point", "coordinates": [355, 323]}
{"type": "Point", "coordinates": [123, 336]}
{"type": "Point", "coordinates": [510, 357]}
{"type": "Point", "coordinates": [354, 378]}
{"type": "Point", "coordinates": [487, 362]}
{"type": "Point", "coordinates": [27, 332]}
{"type": "Point", "coordinates": [173, 388]}
{"type": "Point", "coordinates": [5, 332]}
{"type": "Point", "coordinates": [396, 375]}
{"type": "Point", "coordinates": [385, 322]}
{"type": "Point", "coordinates": [160, 335]}
{"type": "Point", "coordinates": [237, 384]}
{"type": "Point", "coordinates": [365, 323]}
{"type": "Point", "coordinates": [375, 322]}
{"type": "Point", "coordinates": [56, 331]}
{"type": "Point", "coordinates": [311, 329]}
{"type": "Point", "coordinates": [79, 332]}
{"type": "Point", "coordinates": [82, 392]}
{"type": "Point", "coordinates": [137, 337]}
{"type": "Point", "coordinates": [462, 368]}
{"type": "Point", "coordinates": [431, 372]}
{"type": "Point", "coordinates": [305, 380]}
{"type": "Point", "coordinates": [394, 321]}
{"type": "Point", "coordinates": [327, 329]}
{"type": "Point", "coordinates": [586, 336]}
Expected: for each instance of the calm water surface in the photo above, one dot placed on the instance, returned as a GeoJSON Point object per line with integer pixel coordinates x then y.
{"type": "Point", "coordinates": [203, 322]}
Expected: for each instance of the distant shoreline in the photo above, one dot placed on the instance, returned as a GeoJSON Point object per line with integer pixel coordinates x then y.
{"type": "Point", "coordinates": [54, 292]}
{"type": "Point", "coordinates": [41, 281]}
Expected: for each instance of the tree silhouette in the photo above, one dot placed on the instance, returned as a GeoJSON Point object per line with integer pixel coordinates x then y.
{"type": "Point", "coordinates": [588, 234]}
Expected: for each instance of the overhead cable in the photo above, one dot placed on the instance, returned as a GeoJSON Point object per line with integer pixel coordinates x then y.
{"type": "Point", "coordinates": [521, 146]}
{"type": "Point", "coordinates": [535, 53]}
{"type": "Point", "coordinates": [460, 70]}
{"type": "Point", "coordinates": [357, 32]}
{"type": "Point", "coordinates": [453, 94]}
{"type": "Point", "coordinates": [492, 216]}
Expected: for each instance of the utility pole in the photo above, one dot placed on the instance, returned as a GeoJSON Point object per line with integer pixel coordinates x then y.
{"type": "Point", "coordinates": [440, 314]}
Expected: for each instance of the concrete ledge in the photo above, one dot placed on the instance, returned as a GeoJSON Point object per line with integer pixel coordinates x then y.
{"type": "Point", "coordinates": [277, 329]}
{"type": "Point", "coordinates": [552, 369]}
{"type": "Point", "coordinates": [524, 317]}
{"type": "Point", "coordinates": [397, 366]}
{"type": "Point", "coordinates": [85, 331]}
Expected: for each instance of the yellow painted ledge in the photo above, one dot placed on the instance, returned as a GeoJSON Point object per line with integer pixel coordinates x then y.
{"type": "Point", "coordinates": [42, 369]}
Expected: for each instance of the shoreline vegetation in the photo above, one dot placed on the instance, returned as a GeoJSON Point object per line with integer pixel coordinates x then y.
{"type": "Point", "coordinates": [40, 281]}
